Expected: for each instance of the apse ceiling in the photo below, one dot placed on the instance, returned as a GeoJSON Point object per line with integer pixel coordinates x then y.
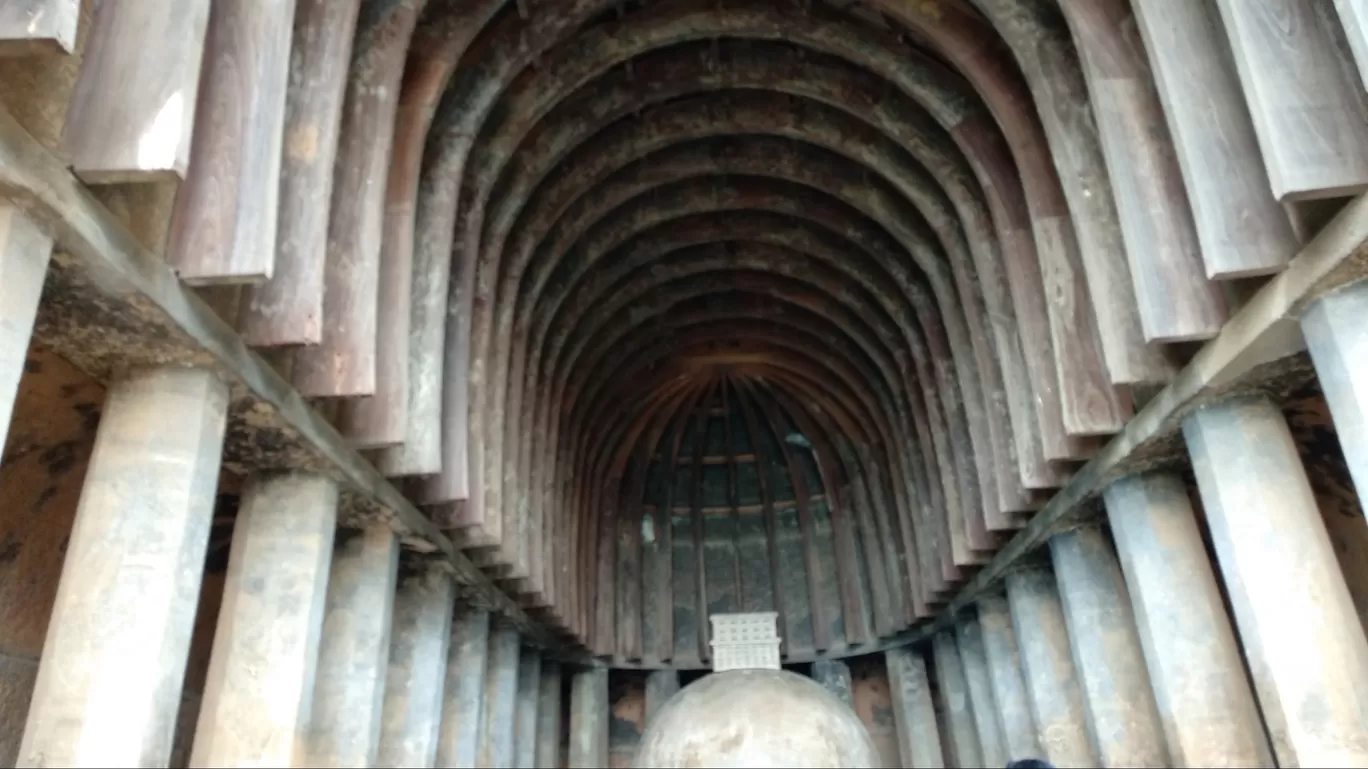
{"type": "Point", "coordinates": [834, 291]}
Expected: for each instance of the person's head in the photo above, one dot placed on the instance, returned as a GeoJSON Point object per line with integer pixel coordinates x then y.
{"type": "Point", "coordinates": [1030, 763]}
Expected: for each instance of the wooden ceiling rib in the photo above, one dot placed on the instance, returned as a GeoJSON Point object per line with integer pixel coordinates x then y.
{"type": "Point", "coordinates": [904, 265]}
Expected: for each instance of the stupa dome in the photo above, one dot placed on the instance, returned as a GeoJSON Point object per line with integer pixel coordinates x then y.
{"type": "Point", "coordinates": [756, 718]}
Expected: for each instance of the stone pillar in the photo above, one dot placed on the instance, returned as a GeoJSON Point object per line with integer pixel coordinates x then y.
{"type": "Point", "coordinates": [1046, 661]}
{"type": "Point", "coordinates": [529, 694]}
{"type": "Point", "coordinates": [1336, 331]}
{"type": "Point", "coordinates": [1205, 703]}
{"type": "Point", "coordinates": [960, 730]}
{"type": "Point", "coordinates": [832, 674]}
{"type": "Point", "coordinates": [109, 683]}
{"type": "Point", "coordinates": [419, 641]}
{"type": "Point", "coordinates": [1122, 716]}
{"type": "Point", "coordinates": [500, 697]}
{"type": "Point", "coordinates": [913, 714]}
{"type": "Point", "coordinates": [463, 694]}
{"type": "Point", "coordinates": [661, 685]}
{"type": "Point", "coordinates": [1009, 687]}
{"type": "Point", "coordinates": [969, 637]}
{"type": "Point", "coordinates": [24, 254]}
{"type": "Point", "coordinates": [258, 694]}
{"type": "Point", "coordinates": [1301, 633]}
{"type": "Point", "coordinates": [353, 655]}
{"type": "Point", "coordinates": [589, 719]}
{"type": "Point", "coordinates": [549, 715]}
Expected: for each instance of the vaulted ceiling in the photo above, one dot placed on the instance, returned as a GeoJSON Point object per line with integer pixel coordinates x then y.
{"type": "Point", "coordinates": [884, 228]}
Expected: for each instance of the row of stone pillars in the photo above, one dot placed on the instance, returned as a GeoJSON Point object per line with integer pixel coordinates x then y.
{"type": "Point", "coordinates": [1120, 650]}
{"type": "Point", "coordinates": [326, 653]}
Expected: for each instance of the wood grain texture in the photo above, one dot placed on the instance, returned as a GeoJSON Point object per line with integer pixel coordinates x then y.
{"type": "Point", "coordinates": [1175, 300]}
{"type": "Point", "coordinates": [1311, 129]}
{"type": "Point", "coordinates": [404, 381]}
{"type": "Point", "coordinates": [1240, 226]}
{"type": "Point", "coordinates": [1353, 16]}
{"type": "Point", "coordinates": [629, 575]}
{"type": "Point", "coordinates": [132, 111]}
{"type": "Point", "coordinates": [223, 230]}
{"type": "Point", "coordinates": [288, 308]}
{"type": "Point", "coordinates": [1091, 408]}
{"type": "Point", "coordinates": [344, 363]}
{"type": "Point", "coordinates": [884, 583]}
{"type": "Point", "coordinates": [854, 611]}
{"type": "Point", "coordinates": [817, 605]}
{"type": "Point", "coordinates": [1039, 37]}
{"type": "Point", "coordinates": [701, 613]}
{"type": "Point", "coordinates": [434, 441]}
{"type": "Point", "coordinates": [38, 27]}
{"type": "Point", "coordinates": [36, 90]}
{"type": "Point", "coordinates": [24, 254]}
{"type": "Point", "coordinates": [1058, 329]}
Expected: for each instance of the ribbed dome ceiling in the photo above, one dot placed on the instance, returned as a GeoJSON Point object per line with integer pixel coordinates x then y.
{"type": "Point", "coordinates": [724, 507]}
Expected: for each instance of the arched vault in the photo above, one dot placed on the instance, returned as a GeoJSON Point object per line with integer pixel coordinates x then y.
{"type": "Point", "coordinates": [743, 305]}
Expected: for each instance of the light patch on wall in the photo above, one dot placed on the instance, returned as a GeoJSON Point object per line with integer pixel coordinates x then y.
{"type": "Point", "coordinates": [647, 530]}
{"type": "Point", "coordinates": [798, 439]}
{"type": "Point", "coordinates": [160, 143]}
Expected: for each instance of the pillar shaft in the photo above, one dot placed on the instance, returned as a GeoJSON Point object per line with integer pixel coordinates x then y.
{"type": "Point", "coordinates": [913, 713]}
{"type": "Point", "coordinates": [1305, 646]}
{"type": "Point", "coordinates": [500, 697]}
{"type": "Point", "coordinates": [661, 685]}
{"type": "Point", "coordinates": [1336, 331]}
{"type": "Point", "coordinates": [353, 656]}
{"type": "Point", "coordinates": [549, 715]}
{"type": "Point", "coordinates": [113, 664]}
{"type": "Point", "coordinates": [1052, 687]}
{"type": "Point", "coordinates": [24, 254]}
{"type": "Point", "coordinates": [1004, 670]}
{"type": "Point", "coordinates": [259, 691]}
{"type": "Point", "coordinates": [463, 694]}
{"type": "Point", "coordinates": [589, 719]}
{"type": "Point", "coordinates": [835, 676]}
{"type": "Point", "coordinates": [419, 642]}
{"type": "Point", "coordinates": [1205, 703]}
{"type": "Point", "coordinates": [962, 734]}
{"type": "Point", "coordinates": [969, 637]}
{"type": "Point", "coordinates": [529, 695]}
{"type": "Point", "coordinates": [1122, 717]}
